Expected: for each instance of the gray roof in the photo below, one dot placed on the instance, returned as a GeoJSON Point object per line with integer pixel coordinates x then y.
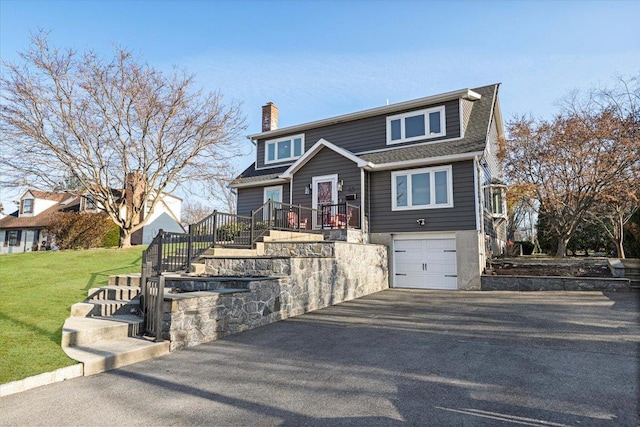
{"type": "Point", "coordinates": [475, 137]}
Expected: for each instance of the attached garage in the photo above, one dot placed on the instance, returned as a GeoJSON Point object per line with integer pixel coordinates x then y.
{"type": "Point", "coordinates": [425, 262]}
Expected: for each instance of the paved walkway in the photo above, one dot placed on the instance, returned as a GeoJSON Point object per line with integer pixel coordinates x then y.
{"type": "Point", "coordinates": [397, 357]}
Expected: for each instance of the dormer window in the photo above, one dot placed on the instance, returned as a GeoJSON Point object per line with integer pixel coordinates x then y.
{"type": "Point", "coordinates": [27, 206]}
{"type": "Point", "coordinates": [416, 125]}
{"type": "Point", "coordinates": [89, 204]}
{"type": "Point", "coordinates": [284, 149]}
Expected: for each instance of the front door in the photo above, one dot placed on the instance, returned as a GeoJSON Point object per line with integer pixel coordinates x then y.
{"type": "Point", "coordinates": [325, 192]}
{"type": "Point", "coordinates": [275, 195]}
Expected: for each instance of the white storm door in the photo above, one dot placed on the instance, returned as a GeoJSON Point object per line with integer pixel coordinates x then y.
{"type": "Point", "coordinates": [275, 195]}
{"type": "Point", "coordinates": [425, 264]}
{"type": "Point", "coordinates": [325, 192]}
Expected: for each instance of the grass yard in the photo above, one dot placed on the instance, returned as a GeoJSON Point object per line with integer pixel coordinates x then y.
{"type": "Point", "coordinates": [37, 290]}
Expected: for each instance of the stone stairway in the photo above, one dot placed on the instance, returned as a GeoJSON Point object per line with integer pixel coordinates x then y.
{"type": "Point", "coordinates": [104, 331]}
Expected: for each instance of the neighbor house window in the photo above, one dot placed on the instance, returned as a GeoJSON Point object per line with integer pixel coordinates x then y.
{"type": "Point", "coordinates": [425, 188]}
{"type": "Point", "coordinates": [27, 206]}
{"type": "Point", "coordinates": [415, 125]}
{"type": "Point", "coordinates": [89, 204]}
{"type": "Point", "coordinates": [12, 237]}
{"type": "Point", "coordinates": [280, 150]}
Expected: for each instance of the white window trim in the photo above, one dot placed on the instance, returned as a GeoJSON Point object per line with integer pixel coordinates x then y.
{"type": "Point", "coordinates": [432, 183]}
{"type": "Point", "coordinates": [275, 187]}
{"type": "Point", "coordinates": [23, 203]}
{"type": "Point", "coordinates": [424, 112]}
{"type": "Point", "coordinates": [276, 141]}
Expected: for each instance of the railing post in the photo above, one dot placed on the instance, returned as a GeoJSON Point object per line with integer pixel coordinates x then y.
{"type": "Point", "coordinates": [189, 247]}
{"type": "Point", "coordinates": [159, 259]}
{"type": "Point", "coordinates": [215, 228]}
{"type": "Point", "coordinates": [158, 310]}
{"type": "Point", "coordinates": [144, 292]}
{"type": "Point", "coordinates": [299, 214]}
{"type": "Point", "coordinates": [253, 224]}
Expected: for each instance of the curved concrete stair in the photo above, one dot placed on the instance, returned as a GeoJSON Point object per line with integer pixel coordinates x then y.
{"type": "Point", "coordinates": [106, 343]}
{"type": "Point", "coordinates": [110, 354]}
{"type": "Point", "coordinates": [103, 330]}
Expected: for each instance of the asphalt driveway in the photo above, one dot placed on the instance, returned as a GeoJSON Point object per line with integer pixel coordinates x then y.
{"type": "Point", "coordinates": [396, 357]}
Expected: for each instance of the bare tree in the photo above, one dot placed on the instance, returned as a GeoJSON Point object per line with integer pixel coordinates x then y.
{"type": "Point", "coordinates": [575, 159]}
{"type": "Point", "coordinates": [123, 130]}
{"type": "Point", "coordinates": [193, 212]}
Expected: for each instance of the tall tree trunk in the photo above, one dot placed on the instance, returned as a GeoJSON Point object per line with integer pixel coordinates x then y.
{"type": "Point", "coordinates": [619, 235]}
{"type": "Point", "coordinates": [125, 239]}
{"type": "Point", "coordinates": [562, 247]}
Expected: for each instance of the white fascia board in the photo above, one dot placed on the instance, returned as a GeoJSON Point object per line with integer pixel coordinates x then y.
{"type": "Point", "coordinates": [259, 183]}
{"type": "Point", "coordinates": [288, 174]}
{"type": "Point", "coordinates": [425, 161]}
{"type": "Point", "coordinates": [387, 109]}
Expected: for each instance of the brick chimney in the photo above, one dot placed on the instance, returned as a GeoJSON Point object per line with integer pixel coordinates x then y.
{"type": "Point", "coordinates": [269, 117]}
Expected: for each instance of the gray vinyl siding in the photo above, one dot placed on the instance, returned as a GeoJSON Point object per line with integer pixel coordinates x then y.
{"type": "Point", "coordinates": [327, 162]}
{"type": "Point", "coordinates": [368, 134]}
{"type": "Point", "coordinates": [252, 198]}
{"type": "Point", "coordinates": [460, 217]}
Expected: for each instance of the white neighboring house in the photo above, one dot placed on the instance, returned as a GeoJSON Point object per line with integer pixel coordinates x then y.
{"type": "Point", "coordinates": [26, 229]}
{"type": "Point", "coordinates": [165, 216]}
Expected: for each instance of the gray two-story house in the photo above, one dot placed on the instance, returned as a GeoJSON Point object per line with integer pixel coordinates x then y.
{"type": "Point", "coordinates": [420, 176]}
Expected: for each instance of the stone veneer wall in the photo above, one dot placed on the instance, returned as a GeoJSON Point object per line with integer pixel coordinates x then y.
{"type": "Point", "coordinates": [327, 273]}
{"type": "Point", "coordinates": [536, 283]}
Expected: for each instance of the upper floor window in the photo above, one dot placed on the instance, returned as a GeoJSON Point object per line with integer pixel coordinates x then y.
{"type": "Point", "coordinates": [280, 150]}
{"type": "Point", "coordinates": [425, 188]}
{"type": "Point", "coordinates": [27, 206]}
{"type": "Point", "coordinates": [415, 125]}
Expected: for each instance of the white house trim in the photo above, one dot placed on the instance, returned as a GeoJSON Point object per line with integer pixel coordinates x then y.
{"type": "Point", "coordinates": [424, 162]}
{"type": "Point", "coordinates": [387, 109]}
{"type": "Point", "coordinates": [315, 149]}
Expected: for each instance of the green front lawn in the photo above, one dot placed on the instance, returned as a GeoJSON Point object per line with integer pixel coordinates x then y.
{"type": "Point", "coordinates": [37, 290]}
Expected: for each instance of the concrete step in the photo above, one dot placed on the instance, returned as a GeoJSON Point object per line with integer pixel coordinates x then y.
{"type": "Point", "coordinates": [291, 236]}
{"type": "Point", "coordinates": [79, 331]}
{"type": "Point", "coordinates": [110, 307]}
{"type": "Point", "coordinates": [231, 252]}
{"type": "Point", "coordinates": [131, 279]}
{"type": "Point", "coordinates": [197, 268]}
{"type": "Point", "coordinates": [110, 354]}
{"type": "Point", "coordinates": [113, 293]}
{"type": "Point", "coordinates": [81, 309]}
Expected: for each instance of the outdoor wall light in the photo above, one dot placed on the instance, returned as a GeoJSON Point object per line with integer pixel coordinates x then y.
{"type": "Point", "coordinates": [340, 185]}
{"type": "Point", "coordinates": [420, 221]}
{"type": "Point", "coordinates": [307, 189]}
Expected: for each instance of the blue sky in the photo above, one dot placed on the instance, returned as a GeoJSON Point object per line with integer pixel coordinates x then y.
{"type": "Point", "coordinates": [316, 59]}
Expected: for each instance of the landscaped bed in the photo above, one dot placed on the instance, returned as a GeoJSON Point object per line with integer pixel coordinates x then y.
{"type": "Point", "coordinates": [37, 290]}
{"type": "Point", "coordinates": [537, 266]}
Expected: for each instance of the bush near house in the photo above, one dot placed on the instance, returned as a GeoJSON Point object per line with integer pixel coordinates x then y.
{"type": "Point", "coordinates": [80, 231]}
{"type": "Point", "coordinates": [37, 290]}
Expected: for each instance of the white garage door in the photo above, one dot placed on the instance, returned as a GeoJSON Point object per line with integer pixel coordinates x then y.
{"type": "Point", "coordinates": [425, 264]}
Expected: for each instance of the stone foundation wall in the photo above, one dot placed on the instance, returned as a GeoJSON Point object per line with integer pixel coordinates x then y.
{"type": "Point", "coordinates": [308, 249]}
{"type": "Point", "coordinates": [314, 282]}
{"type": "Point", "coordinates": [248, 267]}
{"type": "Point", "coordinates": [535, 283]}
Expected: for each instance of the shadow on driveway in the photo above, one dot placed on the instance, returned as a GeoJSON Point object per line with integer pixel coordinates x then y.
{"type": "Point", "coordinates": [395, 357]}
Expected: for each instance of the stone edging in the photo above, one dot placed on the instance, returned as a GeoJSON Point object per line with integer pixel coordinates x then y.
{"type": "Point", "coordinates": [39, 380]}
{"type": "Point", "coordinates": [553, 283]}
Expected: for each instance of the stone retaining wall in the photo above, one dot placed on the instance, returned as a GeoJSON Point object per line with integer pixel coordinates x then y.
{"type": "Point", "coordinates": [314, 282]}
{"type": "Point", "coordinates": [536, 283]}
{"type": "Point", "coordinates": [293, 249]}
{"type": "Point", "coordinates": [248, 267]}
